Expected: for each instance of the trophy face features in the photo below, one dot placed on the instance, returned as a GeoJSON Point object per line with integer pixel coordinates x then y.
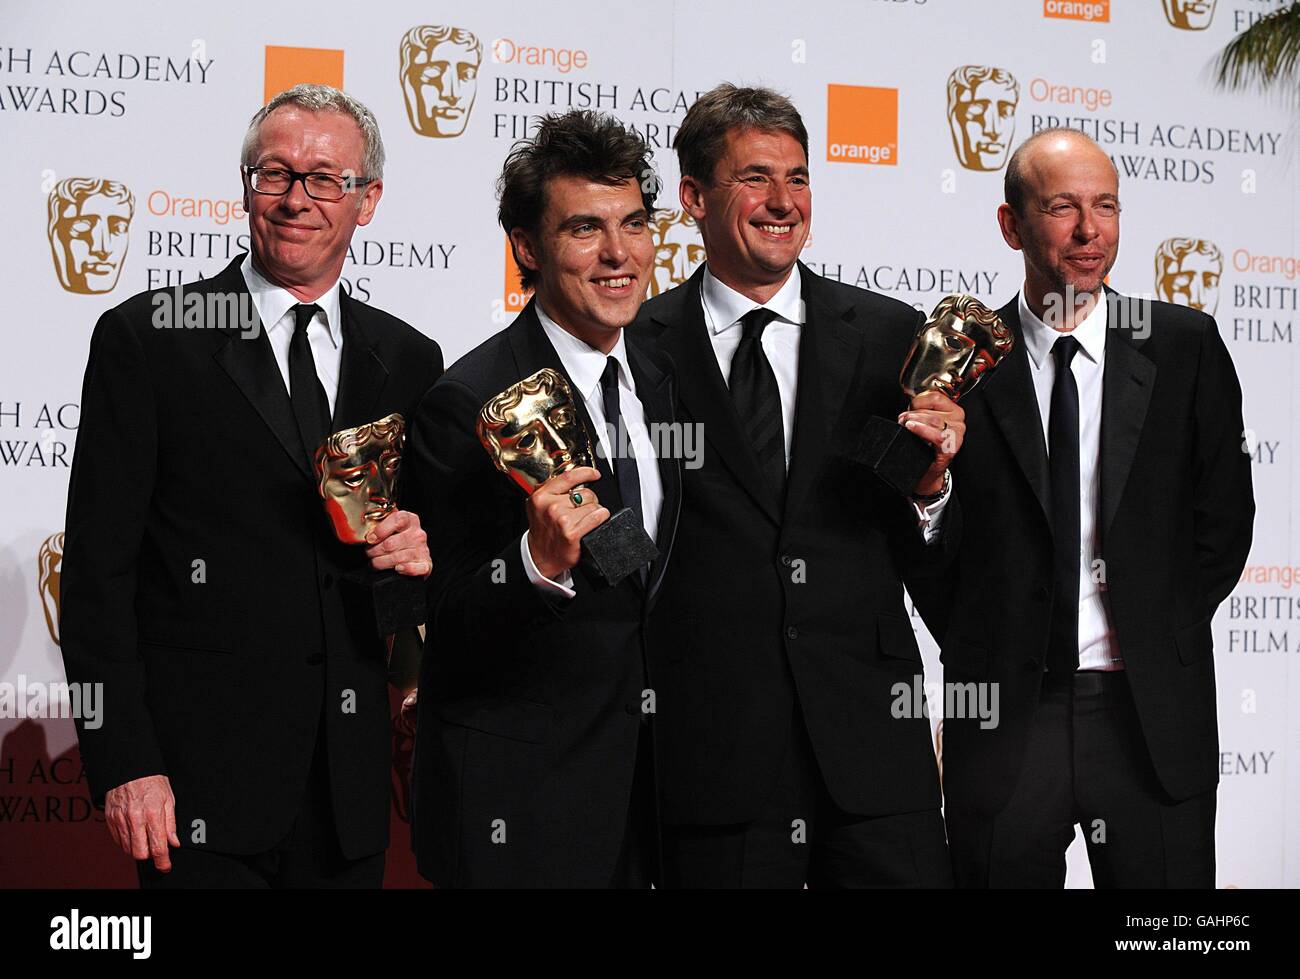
{"type": "Point", "coordinates": [356, 471]}
{"type": "Point", "coordinates": [961, 340]}
{"type": "Point", "coordinates": [532, 430]}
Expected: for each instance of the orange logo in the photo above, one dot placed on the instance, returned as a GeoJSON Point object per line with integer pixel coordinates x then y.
{"type": "Point", "coordinates": [1189, 15]}
{"type": "Point", "coordinates": [1095, 11]}
{"type": "Point", "coordinates": [861, 124]}
{"type": "Point", "coordinates": [287, 67]}
{"type": "Point", "coordinates": [515, 297]}
{"type": "Point", "coordinates": [89, 222]}
{"type": "Point", "coordinates": [1188, 271]}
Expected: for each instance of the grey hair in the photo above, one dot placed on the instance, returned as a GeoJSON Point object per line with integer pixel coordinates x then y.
{"type": "Point", "coordinates": [322, 98]}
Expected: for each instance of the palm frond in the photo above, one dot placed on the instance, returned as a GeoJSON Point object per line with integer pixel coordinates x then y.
{"type": "Point", "coordinates": [1266, 54]}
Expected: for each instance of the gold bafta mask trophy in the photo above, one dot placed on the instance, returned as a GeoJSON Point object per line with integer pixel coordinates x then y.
{"type": "Point", "coordinates": [961, 342]}
{"type": "Point", "coordinates": [356, 473]}
{"type": "Point", "coordinates": [532, 431]}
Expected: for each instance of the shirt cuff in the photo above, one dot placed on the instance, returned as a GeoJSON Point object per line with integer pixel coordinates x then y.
{"type": "Point", "coordinates": [561, 586]}
{"type": "Point", "coordinates": [929, 519]}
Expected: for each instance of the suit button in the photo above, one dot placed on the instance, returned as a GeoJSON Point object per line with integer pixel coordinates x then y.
{"type": "Point", "coordinates": [1033, 664]}
{"type": "Point", "coordinates": [315, 659]}
{"type": "Point", "coordinates": [328, 580]}
{"type": "Point", "coordinates": [632, 709]}
{"type": "Point", "coordinates": [791, 632]}
{"type": "Point", "coordinates": [1043, 593]}
{"type": "Point", "coordinates": [785, 559]}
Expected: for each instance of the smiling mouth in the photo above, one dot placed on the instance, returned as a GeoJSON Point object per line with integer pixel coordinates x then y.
{"type": "Point", "coordinates": [776, 230]}
{"type": "Point", "coordinates": [617, 283]}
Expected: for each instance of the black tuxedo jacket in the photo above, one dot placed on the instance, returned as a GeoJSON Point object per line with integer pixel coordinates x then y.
{"type": "Point", "coordinates": [1176, 510]}
{"type": "Point", "coordinates": [763, 605]}
{"type": "Point", "coordinates": [202, 582]}
{"type": "Point", "coordinates": [530, 708]}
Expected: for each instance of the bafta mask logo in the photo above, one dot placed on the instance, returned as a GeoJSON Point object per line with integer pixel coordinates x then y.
{"type": "Point", "coordinates": [532, 430]}
{"type": "Point", "coordinates": [1189, 15]}
{"type": "Point", "coordinates": [982, 115]}
{"type": "Point", "coordinates": [356, 473]}
{"type": "Point", "coordinates": [88, 230]}
{"type": "Point", "coordinates": [678, 249]}
{"type": "Point", "coordinates": [439, 78]}
{"type": "Point", "coordinates": [1188, 272]}
{"type": "Point", "coordinates": [961, 340]}
{"type": "Point", "coordinates": [49, 565]}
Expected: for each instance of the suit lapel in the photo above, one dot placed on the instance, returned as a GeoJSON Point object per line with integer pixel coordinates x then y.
{"type": "Point", "coordinates": [251, 365]}
{"type": "Point", "coordinates": [1127, 381]}
{"type": "Point", "coordinates": [1010, 396]}
{"type": "Point", "coordinates": [704, 393]}
{"type": "Point", "coordinates": [362, 374]}
{"type": "Point", "coordinates": [828, 354]}
{"type": "Point", "coordinates": [654, 391]}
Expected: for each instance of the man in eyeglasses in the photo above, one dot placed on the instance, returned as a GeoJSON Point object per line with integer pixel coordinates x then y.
{"type": "Point", "coordinates": [245, 737]}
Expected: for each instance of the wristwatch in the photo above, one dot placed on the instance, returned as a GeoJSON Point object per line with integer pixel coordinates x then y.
{"type": "Point", "coordinates": [929, 498]}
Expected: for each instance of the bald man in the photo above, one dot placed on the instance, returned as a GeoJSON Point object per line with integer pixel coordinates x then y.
{"type": "Point", "coordinates": [1109, 510]}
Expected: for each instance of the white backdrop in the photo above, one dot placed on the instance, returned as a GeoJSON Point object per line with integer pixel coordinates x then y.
{"type": "Point", "coordinates": [158, 98]}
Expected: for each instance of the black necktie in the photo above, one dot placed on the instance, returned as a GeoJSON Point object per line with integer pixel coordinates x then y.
{"type": "Point", "coordinates": [758, 399]}
{"type": "Point", "coordinates": [624, 463]}
{"type": "Point", "coordinates": [310, 406]}
{"type": "Point", "coordinates": [1063, 464]}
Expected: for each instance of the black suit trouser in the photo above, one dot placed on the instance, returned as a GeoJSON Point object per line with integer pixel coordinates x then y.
{"type": "Point", "coordinates": [1086, 762]}
{"type": "Point", "coordinates": [308, 857]}
{"type": "Point", "coordinates": [803, 837]}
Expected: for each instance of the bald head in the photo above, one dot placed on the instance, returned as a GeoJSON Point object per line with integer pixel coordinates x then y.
{"type": "Point", "coordinates": [1042, 149]}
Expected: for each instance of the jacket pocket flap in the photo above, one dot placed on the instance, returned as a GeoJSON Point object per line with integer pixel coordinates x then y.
{"type": "Point", "coordinates": [896, 637]}
{"type": "Point", "coordinates": [514, 719]}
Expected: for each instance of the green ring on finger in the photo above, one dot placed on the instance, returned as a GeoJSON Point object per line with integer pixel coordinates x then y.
{"type": "Point", "coordinates": [576, 497]}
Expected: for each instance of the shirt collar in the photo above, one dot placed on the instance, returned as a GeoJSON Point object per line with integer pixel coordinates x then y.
{"type": "Point", "coordinates": [1039, 337]}
{"type": "Point", "coordinates": [582, 362]}
{"type": "Point", "coordinates": [725, 306]}
{"type": "Point", "coordinates": [273, 301]}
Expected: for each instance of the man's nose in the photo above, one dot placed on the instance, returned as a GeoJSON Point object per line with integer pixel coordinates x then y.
{"type": "Point", "coordinates": [614, 249]}
{"type": "Point", "coordinates": [296, 199]}
{"type": "Point", "coordinates": [1086, 229]}
{"type": "Point", "coordinates": [779, 200]}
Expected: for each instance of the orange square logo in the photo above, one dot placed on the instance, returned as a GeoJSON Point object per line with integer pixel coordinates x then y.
{"type": "Point", "coordinates": [287, 67]}
{"type": "Point", "coordinates": [1093, 11]}
{"type": "Point", "coordinates": [514, 298]}
{"type": "Point", "coordinates": [861, 125]}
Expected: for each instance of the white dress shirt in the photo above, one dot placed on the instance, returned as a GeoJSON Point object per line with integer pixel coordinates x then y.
{"type": "Point", "coordinates": [324, 333]}
{"type": "Point", "coordinates": [723, 309]}
{"type": "Point", "coordinates": [1097, 647]}
{"type": "Point", "coordinates": [584, 365]}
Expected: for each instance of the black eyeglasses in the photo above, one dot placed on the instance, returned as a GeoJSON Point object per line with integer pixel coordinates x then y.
{"type": "Point", "coordinates": [319, 186]}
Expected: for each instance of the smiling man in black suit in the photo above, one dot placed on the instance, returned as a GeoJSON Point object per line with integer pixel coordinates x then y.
{"type": "Point", "coordinates": [781, 633]}
{"type": "Point", "coordinates": [534, 753]}
{"type": "Point", "coordinates": [246, 738]}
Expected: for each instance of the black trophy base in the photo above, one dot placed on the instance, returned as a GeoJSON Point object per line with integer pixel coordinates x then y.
{"type": "Point", "coordinates": [618, 547]}
{"type": "Point", "coordinates": [897, 457]}
{"type": "Point", "coordinates": [398, 599]}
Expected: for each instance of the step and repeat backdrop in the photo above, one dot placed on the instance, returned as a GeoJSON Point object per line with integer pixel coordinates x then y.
{"type": "Point", "coordinates": [121, 127]}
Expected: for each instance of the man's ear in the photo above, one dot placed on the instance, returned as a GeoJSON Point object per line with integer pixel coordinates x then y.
{"type": "Point", "coordinates": [369, 201]}
{"type": "Point", "coordinates": [1010, 225]}
{"type": "Point", "coordinates": [248, 193]}
{"type": "Point", "coordinates": [527, 255]}
{"type": "Point", "coordinates": [691, 193]}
